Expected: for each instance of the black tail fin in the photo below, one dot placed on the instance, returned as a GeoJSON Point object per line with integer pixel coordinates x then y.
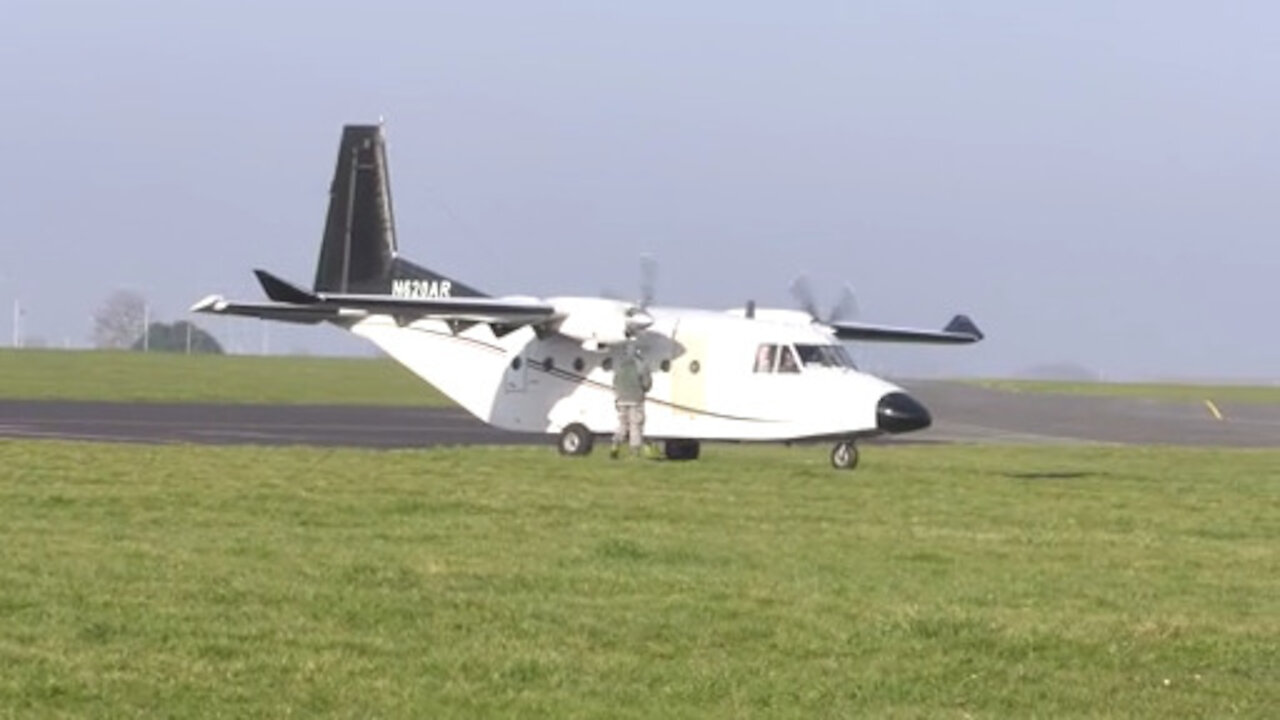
{"type": "Point", "coordinates": [359, 252]}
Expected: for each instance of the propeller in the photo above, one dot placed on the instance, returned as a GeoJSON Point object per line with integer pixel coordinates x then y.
{"type": "Point", "coordinates": [845, 308]}
{"type": "Point", "coordinates": [802, 291]}
{"type": "Point", "coordinates": [638, 317]}
{"type": "Point", "coordinates": [648, 280]}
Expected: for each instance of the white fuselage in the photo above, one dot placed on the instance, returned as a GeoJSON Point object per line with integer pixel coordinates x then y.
{"type": "Point", "coordinates": [705, 383]}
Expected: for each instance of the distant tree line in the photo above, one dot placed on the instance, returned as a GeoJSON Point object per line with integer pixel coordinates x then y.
{"type": "Point", "coordinates": [180, 337]}
{"type": "Point", "coordinates": [122, 323]}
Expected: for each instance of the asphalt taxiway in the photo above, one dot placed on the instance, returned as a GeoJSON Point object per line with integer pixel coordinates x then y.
{"type": "Point", "coordinates": [963, 413]}
{"type": "Point", "coordinates": [334, 426]}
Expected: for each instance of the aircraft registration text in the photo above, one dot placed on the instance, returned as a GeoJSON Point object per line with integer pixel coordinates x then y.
{"type": "Point", "coordinates": [421, 288]}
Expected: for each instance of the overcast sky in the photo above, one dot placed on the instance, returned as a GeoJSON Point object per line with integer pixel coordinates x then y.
{"type": "Point", "coordinates": [1094, 182]}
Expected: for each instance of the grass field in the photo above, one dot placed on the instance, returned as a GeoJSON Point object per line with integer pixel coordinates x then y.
{"type": "Point", "coordinates": [1249, 394]}
{"type": "Point", "coordinates": [168, 377]}
{"type": "Point", "coordinates": [933, 582]}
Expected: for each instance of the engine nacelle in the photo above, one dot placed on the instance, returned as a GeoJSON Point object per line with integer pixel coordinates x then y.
{"type": "Point", "coordinates": [595, 328]}
{"type": "Point", "coordinates": [597, 322]}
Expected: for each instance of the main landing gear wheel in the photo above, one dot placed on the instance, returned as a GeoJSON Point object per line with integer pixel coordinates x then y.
{"type": "Point", "coordinates": [575, 440]}
{"type": "Point", "coordinates": [682, 449]}
{"type": "Point", "coordinates": [844, 456]}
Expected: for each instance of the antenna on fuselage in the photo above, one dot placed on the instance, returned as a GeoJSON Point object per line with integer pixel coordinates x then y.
{"type": "Point", "coordinates": [751, 308]}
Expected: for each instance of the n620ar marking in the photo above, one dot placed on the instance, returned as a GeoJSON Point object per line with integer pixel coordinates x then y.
{"type": "Point", "coordinates": [421, 288]}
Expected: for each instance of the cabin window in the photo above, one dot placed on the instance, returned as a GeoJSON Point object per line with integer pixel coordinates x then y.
{"type": "Point", "coordinates": [765, 355]}
{"type": "Point", "coordinates": [665, 366]}
{"type": "Point", "coordinates": [515, 363]}
{"type": "Point", "coordinates": [607, 365]}
{"type": "Point", "coordinates": [548, 364]}
{"type": "Point", "coordinates": [694, 367]}
{"type": "Point", "coordinates": [578, 364]}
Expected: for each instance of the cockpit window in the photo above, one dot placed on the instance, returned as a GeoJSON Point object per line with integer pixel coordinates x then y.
{"type": "Point", "coordinates": [787, 361]}
{"type": "Point", "coordinates": [777, 358]}
{"type": "Point", "coordinates": [831, 356]}
{"type": "Point", "coordinates": [765, 355]}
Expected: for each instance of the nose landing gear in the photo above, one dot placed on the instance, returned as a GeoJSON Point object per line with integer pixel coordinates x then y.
{"type": "Point", "coordinates": [844, 456]}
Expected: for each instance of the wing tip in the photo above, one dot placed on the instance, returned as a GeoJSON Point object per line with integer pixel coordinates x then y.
{"type": "Point", "coordinates": [281, 290]}
{"type": "Point", "coordinates": [964, 325]}
{"type": "Point", "coordinates": [209, 304]}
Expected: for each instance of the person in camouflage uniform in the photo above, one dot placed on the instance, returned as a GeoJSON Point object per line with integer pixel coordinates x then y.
{"type": "Point", "coordinates": [631, 380]}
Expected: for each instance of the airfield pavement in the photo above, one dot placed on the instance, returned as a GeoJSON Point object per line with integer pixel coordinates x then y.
{"type": "Point", "coordinates": [963, 413]}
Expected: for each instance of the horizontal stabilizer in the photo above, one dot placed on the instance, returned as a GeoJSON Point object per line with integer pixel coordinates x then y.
{"type": "Point", "coordinates": [216, 305]}
{"type": "Point", "coordinates": [473, 309]}
{"type": "Point", "coordinates": [331, 305]}
{"type": "Point", "coordinates": [961, 330]}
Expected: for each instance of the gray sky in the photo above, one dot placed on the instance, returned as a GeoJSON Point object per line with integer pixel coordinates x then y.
{"type": "Point", "coordinates": [1094, 182]}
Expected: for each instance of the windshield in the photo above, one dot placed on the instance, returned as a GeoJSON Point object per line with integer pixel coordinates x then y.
{"type": "Point", "coordinates": [832, 356]}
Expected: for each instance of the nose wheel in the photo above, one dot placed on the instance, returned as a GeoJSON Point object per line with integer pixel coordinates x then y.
{"type": "Point", "coordinates": [844, 456]}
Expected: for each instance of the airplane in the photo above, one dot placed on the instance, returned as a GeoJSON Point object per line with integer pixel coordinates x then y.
{"type": "Point", "coordinates": [544, 364]}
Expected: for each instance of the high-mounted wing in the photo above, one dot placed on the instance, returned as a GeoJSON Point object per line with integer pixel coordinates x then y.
{"type": "Point", "coordinates": [960, 330]}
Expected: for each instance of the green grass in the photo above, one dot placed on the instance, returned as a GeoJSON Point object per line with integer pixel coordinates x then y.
{"type": "Point", "coordinates": [933, 582]}
{"type": "Point", "coordinates": [167, 377]}
{"type": "Point", "coordinates": [1248, 394]}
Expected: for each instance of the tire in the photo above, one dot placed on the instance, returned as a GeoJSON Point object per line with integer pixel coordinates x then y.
{"type": "Point", "coordinates": [844, 456]}
{"type": "Point", "coordinates": [682, 449]}
{"type": "Point", "coordinates": [575, 440]}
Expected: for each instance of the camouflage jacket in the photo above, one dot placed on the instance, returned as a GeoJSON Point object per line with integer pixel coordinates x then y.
{"type": "Point", "coordinates": [631, 380]}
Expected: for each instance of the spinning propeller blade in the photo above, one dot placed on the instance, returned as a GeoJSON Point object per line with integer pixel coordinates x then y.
{"type": "Point", "coordinates": [648, 279]}
{"type": "Point", "coordinates": [802, 291]}
{"type": "Point", "coordinates": [638, 317]}
{"type": "Point", "coordinates": [846, 307]}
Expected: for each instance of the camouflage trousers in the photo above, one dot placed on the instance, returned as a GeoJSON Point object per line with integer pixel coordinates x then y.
{"type": "Point", "coordinates": [630, 425]}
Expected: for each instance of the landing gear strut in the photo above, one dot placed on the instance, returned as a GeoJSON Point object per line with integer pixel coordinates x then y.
{"type": "Point", "coordinates": [576, 440]}
{"type": "Point", "coordinates": [844, 456]}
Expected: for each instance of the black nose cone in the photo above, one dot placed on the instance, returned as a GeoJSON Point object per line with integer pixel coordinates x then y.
{"type": "Point", "coordinates": [899, 412]}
